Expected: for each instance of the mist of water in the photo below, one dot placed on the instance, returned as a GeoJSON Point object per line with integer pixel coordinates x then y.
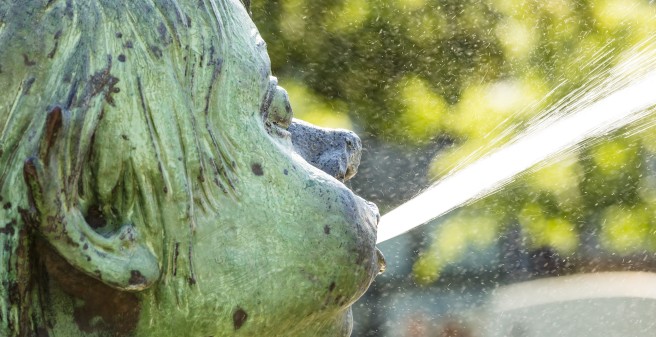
{"type": "Point", "coordinates": [619, 97]}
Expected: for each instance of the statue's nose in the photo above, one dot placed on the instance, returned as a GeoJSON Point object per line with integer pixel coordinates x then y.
{"type": "Point", "coordinates": [334, 151]}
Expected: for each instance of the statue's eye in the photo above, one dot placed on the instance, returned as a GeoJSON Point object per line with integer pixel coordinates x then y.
{"type": "Point", "coordinates": [279, 117]}
{"type": "Point", "coordinates": [280, 111]}
{"type": "Point", "coordinates": [276, 111]}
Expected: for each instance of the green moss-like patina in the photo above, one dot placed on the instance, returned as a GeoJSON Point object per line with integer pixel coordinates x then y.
{"type": "Point", "coordinates": [149, 187]}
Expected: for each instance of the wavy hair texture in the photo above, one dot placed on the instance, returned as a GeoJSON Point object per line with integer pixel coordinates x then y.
{"type": "Point", "coordinates": [141, 83]}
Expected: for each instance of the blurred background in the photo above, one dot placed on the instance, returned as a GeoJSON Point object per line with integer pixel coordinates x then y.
{"type": "Point", "coordinates": [432, 84]}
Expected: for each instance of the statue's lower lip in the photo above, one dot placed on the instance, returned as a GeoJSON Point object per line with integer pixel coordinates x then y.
{"type": "Point", "coordinates": [374, 209]}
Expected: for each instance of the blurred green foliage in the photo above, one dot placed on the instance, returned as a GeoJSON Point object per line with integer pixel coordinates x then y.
{"type": "Point", "coordinates": [411, 71]}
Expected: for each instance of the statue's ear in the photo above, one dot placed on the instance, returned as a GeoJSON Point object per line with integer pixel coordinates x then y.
{"type": "Point", "coordinates": [120, 259]}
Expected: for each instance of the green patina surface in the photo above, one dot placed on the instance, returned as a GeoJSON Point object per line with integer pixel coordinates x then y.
{"type": "Point", "coordinates": [149, 187]}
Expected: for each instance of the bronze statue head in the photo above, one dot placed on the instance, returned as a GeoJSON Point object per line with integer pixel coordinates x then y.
{"type": "Point", "coordinates": [154, 183]}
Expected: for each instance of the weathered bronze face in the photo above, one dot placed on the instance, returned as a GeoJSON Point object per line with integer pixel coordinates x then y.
{"type": "Point", "coordinates": [151, 185]}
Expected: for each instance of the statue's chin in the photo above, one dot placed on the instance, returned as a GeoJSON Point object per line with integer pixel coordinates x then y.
{"type": "Point", "coordinates": [367, 254]}
{"type": "Point", "coordinates": [369, 218]}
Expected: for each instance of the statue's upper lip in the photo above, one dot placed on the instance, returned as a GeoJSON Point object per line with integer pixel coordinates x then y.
{"type": "Point", "coordinates": [374, 207]}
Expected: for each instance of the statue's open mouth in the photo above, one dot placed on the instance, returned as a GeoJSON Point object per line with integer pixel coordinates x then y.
{"type": "Point", "coordinates": [337, 152]}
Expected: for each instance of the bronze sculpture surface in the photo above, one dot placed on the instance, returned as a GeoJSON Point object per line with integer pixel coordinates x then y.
{"type": "Point", "coordinates": [149, 182]}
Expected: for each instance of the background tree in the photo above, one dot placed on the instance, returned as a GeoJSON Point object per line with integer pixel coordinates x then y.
{"type": "Point", "coordinates": [456, 75]}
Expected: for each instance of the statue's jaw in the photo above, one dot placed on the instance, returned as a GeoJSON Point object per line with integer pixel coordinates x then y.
{"type": "Point", "coordinates": [302, 260]}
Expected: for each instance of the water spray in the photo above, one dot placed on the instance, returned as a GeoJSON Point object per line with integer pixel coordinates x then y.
{"type": "Point", "coordinates": [626, 94]}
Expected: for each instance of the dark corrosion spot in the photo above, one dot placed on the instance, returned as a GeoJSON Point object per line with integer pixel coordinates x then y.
{"type": "Point", "coordinates": [53, 125]}
{"type": "Point", "coordinates": [102, 82]}
{"type": "Point", "coordinates": [125, 137]}
{"type": "Point", "coordinates": [136, 278]}
{"type": "Point", "coordinates": [27, 85]}
{"type": "Point", "coordinates": [285, 172]}
{"type": "Point", "coordinates": [188, 20]}
{"type": "Point", "coordinates": [69, 10]}
{"type": "Point", "coordinates": [14, 292]}
{"type": "Point", "coordinates": [326, 229]}
{"type": "Point", "coordinates": [42, 332]}
{"type": "Point", "coordinates": [98, 306]}
{"type": "Point", "coordinates": [163, 34]}
{"type": "Point", "coordinates": [331, 287]}
{"type": "Point", "coordinates": [176, 252]}
{"type": "Point", "coordinates": [9, 228]}
{"type": "Point", "coordinates": [239, 318]}
{"type": "Point", "coordinates": [156, 51]}
{"type": "Point", "coordinates": [121, 58]}
{"type": "Point", "coordinates": [129, 45]}
{"type": "Point", "coordinates": [7, 205]}
{"type": "Point", "coordinates": [52, 52]}
{"type": "Point", "coordinates": [257, 169]}
{"type": "Point", "coordinates": [119, 35]}
{"type": "Point", "coordinates": [192, 276]}
{"type": "Point", "coordinates": [86, 246]}
{"type": "Point", "coordinates": [95, 217]}
{"type": "Point", "coordinates": [27, 62]}
{"type": "Point", "coordinates": [55, 222]}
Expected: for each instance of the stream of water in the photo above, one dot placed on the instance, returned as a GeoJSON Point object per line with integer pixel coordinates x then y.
{"type": "Point", "coordinates": [625, 95]}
